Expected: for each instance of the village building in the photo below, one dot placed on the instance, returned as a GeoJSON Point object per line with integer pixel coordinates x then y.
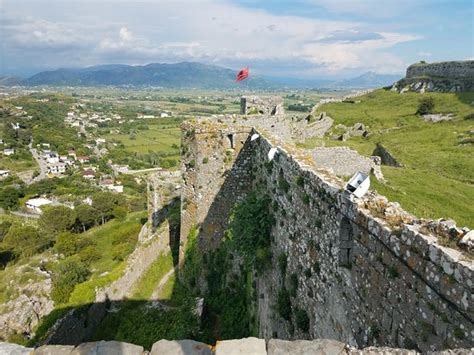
{"type": "Point", "coordinates": [35, 204]}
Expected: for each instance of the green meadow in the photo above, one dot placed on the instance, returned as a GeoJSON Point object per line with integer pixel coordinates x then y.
{"type": "Point", "coordinates": [437, 176]}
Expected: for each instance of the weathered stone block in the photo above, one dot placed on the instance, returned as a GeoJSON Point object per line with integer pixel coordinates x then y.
{"type": "Point", "coordinates": [54, 350]}
{"type": "Point", "coordinates": [180, 347]}
{"type": "Point", "coordinates": [303, 347]}
{"type": "Point", "coordinates": [246, 346]}
{"type": "Point", "coordinates": [107, 348]}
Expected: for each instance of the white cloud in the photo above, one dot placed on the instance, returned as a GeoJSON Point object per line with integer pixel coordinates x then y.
{"type": "Point", "coordinates": [424, 54]}
{"type": "Point", "coordinates": [209, 31]}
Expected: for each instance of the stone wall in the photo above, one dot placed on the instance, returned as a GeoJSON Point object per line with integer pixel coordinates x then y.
{"type": "Point", "coordinates": [365, 273]}
{"type": "Point", "coordinates": [271, 105]}
{"type": "Point", "coordinates": [252, 346]}
{"type": "Point", "coordinates": [455, 69]}
{"type": "Point", "coordinates": [216, 174]}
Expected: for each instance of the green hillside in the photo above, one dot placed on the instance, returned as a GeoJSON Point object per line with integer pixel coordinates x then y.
{"type": "Point", "coordinates": [437, 176]}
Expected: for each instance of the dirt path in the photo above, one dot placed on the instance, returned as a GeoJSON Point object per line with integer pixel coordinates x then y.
{"type": "Point", "coordinates": [137, 264]}
{"type": "Point", "coordinates": [161, 284]}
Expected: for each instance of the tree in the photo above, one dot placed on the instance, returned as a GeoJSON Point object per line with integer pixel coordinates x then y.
{"type": "Point", "coordinates": [24, 240]}
{"type": "Point", "coordinates": [120, 213]}
{"type": "Point", "coordinates": [104, 203]}
{"type": "Point", "coordinates": [66, 244]}
{"type": "Point", "coordinates": [86, 216]}
{"type": "Point", "coordinates": [425, 105]}
{"type": "Point", "coordinates": [9, 198]}
{"type": "Point", "coordinates": [56, 219]}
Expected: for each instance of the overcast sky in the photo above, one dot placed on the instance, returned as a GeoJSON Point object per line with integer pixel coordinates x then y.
{"type": "Point", "coordinates": [292, 38]}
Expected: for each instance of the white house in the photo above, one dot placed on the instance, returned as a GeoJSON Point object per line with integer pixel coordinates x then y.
{"type": "Point", "coordinates": [52, 158]}
{"type": "Point", "coordinates": [100, 141]}
{"type": "Point", "coordinates": [8, 151]}
{"type": "Point", "coordinates": [4, 173]}
{"type": "Point", "coordinates": [35, 204]}
{"type": "Point", "coordinates": [58, 168]}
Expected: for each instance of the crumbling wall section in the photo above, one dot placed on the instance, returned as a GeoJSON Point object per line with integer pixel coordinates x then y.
{"type": "Point", "coordinates": [216, 174]}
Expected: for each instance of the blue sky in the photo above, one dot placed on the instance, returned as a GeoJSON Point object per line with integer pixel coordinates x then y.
{"type": "Point", "coordinates": [297, 38]}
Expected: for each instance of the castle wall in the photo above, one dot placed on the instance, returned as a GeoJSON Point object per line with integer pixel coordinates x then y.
{"type": "Point", "coordinates": [461, 69]}
{"type": "Point", "coordinates": [216, 174]}
{"type": "Point", "coordinates": [360, 279]}
{"type": "Point", "coordinates": [374, 285]}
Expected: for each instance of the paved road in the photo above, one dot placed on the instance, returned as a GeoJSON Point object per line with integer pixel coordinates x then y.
{"type": "Point", "coordinates": [41, 164]}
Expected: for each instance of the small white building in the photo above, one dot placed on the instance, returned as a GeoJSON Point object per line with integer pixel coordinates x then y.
{"type": "Point", "coordinates": [116, 188]}
{"type": "Point", "coordinates": [56, 169]}
{"type": "Point", "coordinates": [8, 151]}
{"type": "Point", "coordinates": [35, 204]}
{"type": "Point", "coordinates": [4, 173]}
{"type": "Point", "coordinates": [52, 158]}
{"type": "Point", "coordinates": [100, 141]}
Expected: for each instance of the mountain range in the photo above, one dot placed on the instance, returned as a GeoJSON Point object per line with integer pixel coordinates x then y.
{"type": "Point", "coordinates": [184, 75]}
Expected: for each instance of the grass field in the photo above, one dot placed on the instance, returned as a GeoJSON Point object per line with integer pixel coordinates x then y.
{"type": "Point", "coordinates": [437, 177]}
{"type": "Point", "coordinates": [157, 139]}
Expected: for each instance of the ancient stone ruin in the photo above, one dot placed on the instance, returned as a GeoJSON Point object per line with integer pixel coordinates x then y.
{"type": "Point", "coordinates": [455, 76]}
{"type": "Point", "coordinates": [368, 272]}
{"type": "Point", "coordinates": [270, 105]}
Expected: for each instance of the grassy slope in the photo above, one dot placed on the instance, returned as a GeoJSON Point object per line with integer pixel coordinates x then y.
{"type": "Point", "coordinates": [147, 283]}
{"type": "Point", "coordinates": [438, 174]}
{"type": "Point", "coordinates": [84, 293]}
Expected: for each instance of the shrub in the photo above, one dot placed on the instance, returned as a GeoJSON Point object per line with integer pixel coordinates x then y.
{"type": "Point", "coordinates": [119, 213]}
{"type": "Point", "coordinates": [300, 181]}
{"type": "Point", "coordinates": [306, 199]}
{"type": "Point", "coordinates": [283, 184]}
{"type": "Point", "coordinates": [293, 284]}
{"type": "Point", "coordinates": [302, 320]}
{"type": "Point", "coordinates": [205, 160]}
{"type": "Point", "coordinates": [24, 240]}
{"type": "Point", "coordinates": [120, 251]}
{"type": "Point", "coordinates": [66, 244]}
{"type": "Point", "coordinates": [250, 225]}
{"type": "Point", "coordinates": [282, 264]}
{"type": "Point", "coordinates": [469, 116]}
{"type": "Point", "coordinates": [316, 267]}
{"type": "Point", "coordinates": [9, 198]}
{"type": "Point", "coordinates": [66, 275]}
{"type": "Point", "coordinates": [283, 305]}
{"type": "Point", "coordinates": [425, 105]}
{"type": "Point", "coordinates": [89, 254]}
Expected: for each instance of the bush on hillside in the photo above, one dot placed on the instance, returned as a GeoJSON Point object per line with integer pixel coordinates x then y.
{"type": "Point", "coordinates": [24, 240]}
{"type": "Point", "coordinates": [425, 106]}
{"type": "Point", "coordinates": [66, 275]}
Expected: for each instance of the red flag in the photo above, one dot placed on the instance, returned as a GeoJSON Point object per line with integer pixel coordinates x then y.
{"type": "Point", "coordinates": [243, 74]}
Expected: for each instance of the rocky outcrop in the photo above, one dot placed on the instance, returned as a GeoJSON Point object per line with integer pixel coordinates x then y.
{"type": "Point", "coordinates": [22, 314]}
{"type": "Point", "coordinates": [246, 346]}
{"type": "Point", "coordinates": [453, 76]}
